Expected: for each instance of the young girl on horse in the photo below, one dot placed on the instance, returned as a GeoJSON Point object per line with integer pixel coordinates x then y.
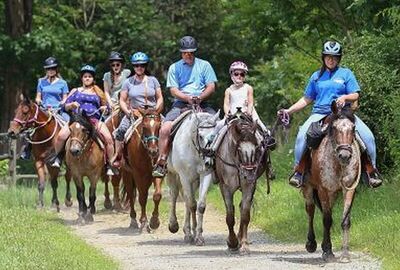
{"type": "Point", "coordinates": [91, 100]}
{"type": "Point", "coordinates": [138, 91]}
{"type": "Point", "coordinates": [331, 82]}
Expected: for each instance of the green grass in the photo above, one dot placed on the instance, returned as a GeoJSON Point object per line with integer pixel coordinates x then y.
{"type": "Point", "coordinates": [375, 216]}
{"type": "Point", "coordinates": [33, 239]}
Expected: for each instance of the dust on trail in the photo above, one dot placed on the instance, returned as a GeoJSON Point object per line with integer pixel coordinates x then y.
{"type": "Point", "coordinates": [163, 250]}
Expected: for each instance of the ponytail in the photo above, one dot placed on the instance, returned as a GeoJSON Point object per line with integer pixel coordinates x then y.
{"type": "Point", "coordinates": [100, 93]}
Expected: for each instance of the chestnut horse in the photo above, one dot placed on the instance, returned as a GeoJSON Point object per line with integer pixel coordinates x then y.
{"type": "Point", "coordinates": [43, 129]}
{"type": "Point", "coordinates": [335, 167]}
{"type": "Point", "coordinates": [141, 152]}
{"type": "Point", "coordinates": [84, 157]}
{"type": "Point", "coordinates": [240, 161]}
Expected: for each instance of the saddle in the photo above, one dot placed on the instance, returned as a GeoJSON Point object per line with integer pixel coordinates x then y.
{"type": "Point", "coordinates": [132, 129]}
{"type": "Point", "coordinates": [178, 121]}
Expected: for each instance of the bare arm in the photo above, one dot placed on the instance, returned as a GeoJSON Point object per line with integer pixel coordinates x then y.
{"type": "Point", "coordinates": [160, 101]}
{"type": "Point", "coordinates": [123, 102]}
{"type": "Point", "coordinates": [107, 93]}
{"type": "Point", "coordinates": [210, 89]}
{"type": "Point", "coordinates": [250, 100]}
{"type": "Point", "coordinates": [38, 98]}
{"type": "Point", "coordinates": [64, 98]}
{"type": "Point", "coordinates": [227, 102]}
{"type": "Point", "coordinates": [348, 98]}
{"type": "Point", "coordinates": [299, 105]}
{"type": "Point", "coordinates": [175, 92]}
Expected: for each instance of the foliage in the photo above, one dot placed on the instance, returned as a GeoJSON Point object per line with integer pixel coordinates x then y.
{"type": "Point", "coordinates": [3, 168]}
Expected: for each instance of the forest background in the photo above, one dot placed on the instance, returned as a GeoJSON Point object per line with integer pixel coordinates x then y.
{"type": "Point", "coordinates": [279, 40]}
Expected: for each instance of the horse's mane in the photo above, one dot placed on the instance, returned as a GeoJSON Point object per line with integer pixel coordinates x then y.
{"type": "Point", "coordinates": [84, 121]}
{"type": "Point", "coordinates": [245, 128]}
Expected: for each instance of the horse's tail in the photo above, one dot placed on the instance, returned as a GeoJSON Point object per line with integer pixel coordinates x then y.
{"type": "Point", "coordinates": [316, 199]}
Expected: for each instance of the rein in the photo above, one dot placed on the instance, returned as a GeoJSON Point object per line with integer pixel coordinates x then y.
{"type": "Point", "coordinates": [282, 119]}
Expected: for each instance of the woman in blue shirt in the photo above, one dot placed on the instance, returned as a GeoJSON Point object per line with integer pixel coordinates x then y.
{"type": "Point", "coordinates": [331, 82]}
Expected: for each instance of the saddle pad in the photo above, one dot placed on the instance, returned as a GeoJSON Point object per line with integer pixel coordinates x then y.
{"type": "Point", "coordinates": [60, 120]}
{"type": "Point", "coordinates": [132, 128]}
{"type": "Point", "coordinates": [178, 122]}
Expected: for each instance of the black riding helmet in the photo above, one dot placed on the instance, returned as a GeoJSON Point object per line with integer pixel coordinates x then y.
{"type": "Point", "coordinates": [116, 56]}
{"type": "Point", "coordinates": [50, 62]}
{"type": "Point", "coordinates": [188, 44]}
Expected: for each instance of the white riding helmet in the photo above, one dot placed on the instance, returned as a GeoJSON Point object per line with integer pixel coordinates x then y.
{"type": "Point", "coordinates": [238, 65]}
{"type": "Point", "coordinates": [332, 48]}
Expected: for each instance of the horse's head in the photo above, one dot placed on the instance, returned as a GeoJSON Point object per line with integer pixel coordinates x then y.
{"type": "Point", "coordinates": [205, 124]}
{"type": "Point", "coordinates": [342, 132]}
{"type": "Point", "coordinates": [25, 115]}
{"type": "Point", "coordinates": [248, 149]}
{"type": "Point", "coordinates": [151, 124]}
{"type": "Point", "coordinates": [81, 133]}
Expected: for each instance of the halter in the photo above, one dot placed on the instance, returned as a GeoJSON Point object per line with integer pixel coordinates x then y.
{"type": "Point", "coordinates": [202, 151]}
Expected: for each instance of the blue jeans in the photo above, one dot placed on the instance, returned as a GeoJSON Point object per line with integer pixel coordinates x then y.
{"type": "Point", "coordinates": [365, 133]}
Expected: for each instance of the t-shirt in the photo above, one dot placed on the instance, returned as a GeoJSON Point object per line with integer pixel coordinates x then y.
{"type": "Point", "coordinates": [52, 93]}
{"type": "Point", "coordinates": [330, 86]}
{"type": "Point", "coordinates": [191, 79]}
{"type": "Point", "coordinates": [116, 87]}
{"type": "Point", "coordinates": [139, 91]}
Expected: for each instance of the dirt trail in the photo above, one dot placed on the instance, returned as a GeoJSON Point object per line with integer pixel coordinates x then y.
{"type": "Point", "coordinates": [163, 250]}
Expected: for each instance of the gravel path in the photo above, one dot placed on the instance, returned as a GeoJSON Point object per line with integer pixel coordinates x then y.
{"type": "Point", "coordinates": [163, 250]}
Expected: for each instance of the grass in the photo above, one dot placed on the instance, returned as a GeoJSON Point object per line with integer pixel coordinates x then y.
{"type": "Point", "coordinates": [375, 216]}
{"type": "Point", "coordinates": [33, 239]}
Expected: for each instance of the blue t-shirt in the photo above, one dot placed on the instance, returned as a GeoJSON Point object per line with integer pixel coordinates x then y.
{"type": "Point", "coordinates": [52, 93]}
{"type": "Point", "coordinates": [191, 79]}
{"type": "Point", "coordinates": [329, 87]}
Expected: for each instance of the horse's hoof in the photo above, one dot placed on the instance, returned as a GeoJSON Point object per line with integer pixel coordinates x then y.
{"type": "Point", "coordinates": [311, 246]}
{"type": "Point", "coordinates": [233, 245]}
{"type": "Point", "coordinates": [328, 256]}
{"type": "Point", "coordinates": [93, 210]}
{"type": "Point", "coordinates": [199, 241]}
{"type": "Point", "coordinates": [68, 203]}
{"type": "Point", "coordinates": [117, 207]}
{"type": "Point", "coordinates": [244, 250]}
{"type": "Point", "coordinates": [107, 204]}
{"type": "Point", "coordinates": [188, 239]}
{"type": "Point", "coordinates": [345, 257]}
{"type": "Point", "coordinates": [154, 223]}
{"type": "Point", "coordinates": [134, 225]}
{"type": "Point", "coordinates": [173, 228]}
{"type": "Point", "coordinates": [89, 218]}
{"type": "Point", "coordinates": [80, 221]}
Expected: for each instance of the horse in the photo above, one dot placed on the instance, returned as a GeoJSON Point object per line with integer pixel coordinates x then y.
{"type": "Point", "coordinates": [84, 157]}
{"type": "Point", "coordinates": [240, 160]}
{"type": "Point", "coordinates": [43, 129]}
{"type": "Point", "coordinates": [335, 166]}
{"type": "Point", "coordinates": [188, 173]}
{"type": "Point", "coordinates": [141, 152]}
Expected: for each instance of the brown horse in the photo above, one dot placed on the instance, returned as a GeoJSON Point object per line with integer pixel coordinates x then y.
{"type": "Point", "coordinates": [141, 153]}
{"type": "Point", "coordinates": [240, 161]}
{"type": "Point", "coordinates": [335, 167]}
{"type": "Point", "coordinates": [43, 128]}
{"type": "Point", "coordinates": [84, 157]}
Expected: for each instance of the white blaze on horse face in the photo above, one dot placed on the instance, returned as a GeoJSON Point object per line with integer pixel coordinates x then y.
{"type": "Point", "coordinates": [247, 152]}
{"type": "Point", "coordinates": [152, 122]}
{"type": "Point", "coordinates": [343, 125]}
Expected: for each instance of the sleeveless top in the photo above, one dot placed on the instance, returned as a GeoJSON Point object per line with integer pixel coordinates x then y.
{"type": "Point", "coordinates": [89, 103]}
{"type": "Point", "coordinates": [238, 97]}
{"type": "Point", "coordinates": [116, 87]}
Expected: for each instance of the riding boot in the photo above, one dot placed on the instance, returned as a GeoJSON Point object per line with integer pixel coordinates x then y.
{"type": "Point", "coordinates": [297, 178]}
{"type": "Point", "coordinates": [160, 169]}
{"type": "Point", "coordinates": [26, 151]}
{"type": "Point", "coordinates": [374, 180]}
{"type": "Point", "coordinates": [116, 160]}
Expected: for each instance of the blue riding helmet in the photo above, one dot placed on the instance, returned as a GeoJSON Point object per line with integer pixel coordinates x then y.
{"type": "Point", "coordinates": [88, 68]}
{"type": "Point", "coordinates": [139, 58]}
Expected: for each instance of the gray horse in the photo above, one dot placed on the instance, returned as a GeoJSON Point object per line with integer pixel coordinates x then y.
{"type": "Point", "coordinates": [240, 161]}
{"type": "Point", "coordinates": [187, 173]}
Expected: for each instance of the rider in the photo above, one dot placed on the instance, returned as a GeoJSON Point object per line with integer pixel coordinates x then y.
{"type": "Point", "coordinates": [142, 90]}
{"type": "Point", "coordinates": [114, 79]}
{"type": "Point", "coordinates": [190, 80]}
{"type": "Point", "coordinates": [90, 99]}
{"type": "Point", "coordinates": [331, 82]}
{"type": "Point", "coordinates": [51, 93]}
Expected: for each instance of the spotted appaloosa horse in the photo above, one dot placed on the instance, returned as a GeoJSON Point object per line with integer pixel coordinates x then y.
{"type": "Point", "coordinates": [43, 131]}
{"type": "Point", "coordinates": [240, 161]}
{"type": "Point", "coordinates": [335, 167]}
{"type": "Point", "coordinates": [141, 152]}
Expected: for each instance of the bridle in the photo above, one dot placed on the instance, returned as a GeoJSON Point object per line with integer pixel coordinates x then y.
{"type": "Point", "coordinates": [84, 144]}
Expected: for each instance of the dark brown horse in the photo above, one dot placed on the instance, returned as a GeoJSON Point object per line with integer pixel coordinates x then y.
{"type": "Point", "coordinates": [335, 167]}
{"type": "Point", "coordinates": [84, 157]}
{"type": "Point", "coordinates": [240, 161]}
{"type": "Point", "coordinates": [141, 153]}
{"type": "Point", "coordinates": [43, 128]}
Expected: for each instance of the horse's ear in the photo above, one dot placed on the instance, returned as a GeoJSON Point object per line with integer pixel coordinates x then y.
{"type": "Point", "coordinates": [24, 98]}
{"type": "Point", "coordinates": [215, 117]}
{"type": "Point", "coordinates": [334, 107]}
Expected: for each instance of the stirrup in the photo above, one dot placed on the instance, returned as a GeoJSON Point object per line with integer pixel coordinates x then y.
{"type": "Point", "coordinates": [373, 179]}
{"type": "Point", "coordinates": [159, 170]}
{"type": "Point", "coordinates": [296, 180]}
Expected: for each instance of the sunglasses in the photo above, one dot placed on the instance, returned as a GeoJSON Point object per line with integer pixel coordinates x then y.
{"type": "Point", "coordinates": [51, 68]}
{"type": "Point", "coordinates": [241, 74]}
{"type": "Point", "coordinates": [116, 65]}
{"type": "Point", "coordinates": [140, 65]}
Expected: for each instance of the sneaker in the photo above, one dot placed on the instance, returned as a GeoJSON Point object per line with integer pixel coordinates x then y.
{"type": "Point", "coordinates": [296, 180]}
{"type": "Point", "coordinates": [111, 171]}
{"type": "Point", "coordinates": [373, 180]}
{"type": "Point", "coordinates": [159, 171]}
{"type": "Point", "coordinates": [25, 155]}
{"type": "Point", "coordinates": [56, 163]}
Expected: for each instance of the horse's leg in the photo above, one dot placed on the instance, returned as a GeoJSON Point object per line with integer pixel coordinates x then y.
{"type": "Point", "coordinates": [348, 198]}
{"type": "Point", "coordinates": [143, 193]}
{"type": "Point", "coordinates": [326, 206]}
{"type": "Point", "coordinates": [54, 185]}
{"type": "Point", "coordinates": [115, 181]}
{"type": "Point", "coordinates": [193, 209]}
{"type": "Point", "coordinates": [205, 182]}
{"type": "Point", "coordinates": [190, 210]}
{"type": "Point", "coordinates": [41, 172]}
{"type": "Point", "coordinates": [245, 207]}
{"type": "Point", "coordinates": [92, 198]}
{"type": "Point", "coordinates": [131, 196]}
{"type": "Point", "coordinates": [233, 243]}
{"type": "Point", "coordinates": [155, 221]}
{"type": "Point", "coordinates": [173, 184]}
{"type": "Point", "coordinates": [311, 244]}
{"type": "Point", "coordinates": [80, 196]}
{"type": "Point", "coordinates": [107, 201]}
{"type": "Point", "coordinates": [68, 200]}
